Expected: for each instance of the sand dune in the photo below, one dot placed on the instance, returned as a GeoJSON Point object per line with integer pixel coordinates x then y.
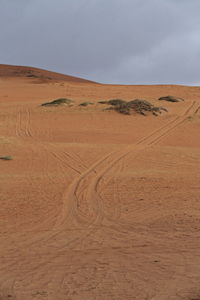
{"type": "Point", "coordinates": [96, 204]}
{"type": "Point", "coordinates": [30, 72]}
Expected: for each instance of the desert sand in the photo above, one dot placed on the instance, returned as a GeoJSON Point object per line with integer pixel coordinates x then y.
{"type": "Point", "coordinates": [94, 204]}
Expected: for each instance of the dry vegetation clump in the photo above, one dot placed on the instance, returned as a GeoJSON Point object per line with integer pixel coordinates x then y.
{"type": "Point", "coordinates": [30, 73]}
{"type": "Point", "coordinates": [103, 102]}
{"type": "Point", "coordinates": [7, 157]}
{"type": "Point", "coordinates": [143, 106]}
{"type": "Point", "coordinates": [86, 103]}
{"type": "Point", "coordinates": [135, 106]}
{"type": "Point", "coordinates": [57, 102]}
{"type": "Point", "coordinates": [116, 102]}
{"type": "Point", "coordinates": [113, 102]}
{"type": "Point", "coordinates": [32, 76]}
{"type": "Point", "coordinates": [170, 99]}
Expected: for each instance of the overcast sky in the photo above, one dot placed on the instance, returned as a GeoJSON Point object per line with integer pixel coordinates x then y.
{"type": "Point", "coordinates": [111, 41]}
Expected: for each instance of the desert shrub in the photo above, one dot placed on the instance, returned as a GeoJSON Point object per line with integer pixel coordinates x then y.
{"type": "Point", "coordinates": [7, 157]}
{"type": "Point", "coordinates": [86, 103]}
{"type": "Point", "coordinates": [141, 106]}
{"type": "Point", "coordinates": [103, 102]}
{"type": "Point", "coordinates": [32, 76]}
{"type": "Point", "coordinates": [57, 102]}
{"type": "Point", "coordinates": [113, 102]}
{"type": "Point", "coordinates": [122, 109]}
{"type": "Point", "coordinates": [140, 102]}
{"type": "Point", "coordinates": [170, 99]}
{"type": "Point", "coordinates": [137, 106]}
{"type": "Point", "coordinates": [116, 102]}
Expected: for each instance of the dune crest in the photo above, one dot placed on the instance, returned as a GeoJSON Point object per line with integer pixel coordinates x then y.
{"type": "Point", "coordinates": [30, 72]}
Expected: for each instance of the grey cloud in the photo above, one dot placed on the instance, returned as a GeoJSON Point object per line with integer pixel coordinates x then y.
{"type": "Point", "coordinates": [116, 41]}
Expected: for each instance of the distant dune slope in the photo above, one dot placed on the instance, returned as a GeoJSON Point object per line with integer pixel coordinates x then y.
{"type": "Point", "coordinates": [22, 71]}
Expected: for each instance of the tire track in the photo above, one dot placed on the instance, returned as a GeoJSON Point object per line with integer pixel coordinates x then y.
{"type": "Point", "coordinates": [23, 126]}
{"type": "Point", "coordinates": [86, 187]}
{"type": "Point", "coordinates": [147, 141]}
{"type": "Point", "coordinates": [181, 120]}
{"type": "Point", "coordinates": [63, 161]}
{"type": "Point", "coordinates": [111, 160]}
{"type": "Point", "coordinates": [197, 110]}
{"type": "Point", "coordinates": [84, 190]}
{"type": "Point", "coordinates": [23, 130]}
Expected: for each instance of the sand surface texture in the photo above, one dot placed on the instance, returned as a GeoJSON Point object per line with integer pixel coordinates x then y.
{"type": "Point", "coordinates": [94, 204]}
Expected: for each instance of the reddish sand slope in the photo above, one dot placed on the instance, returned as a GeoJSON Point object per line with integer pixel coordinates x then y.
{"type": "Point", "coordinates": [7, 71]}
{"type": "Point", "coordinates": [97, 205]}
